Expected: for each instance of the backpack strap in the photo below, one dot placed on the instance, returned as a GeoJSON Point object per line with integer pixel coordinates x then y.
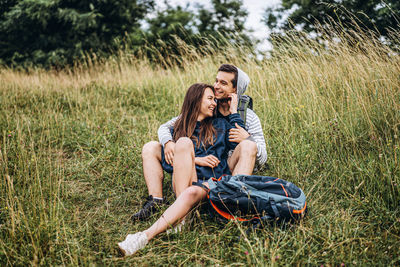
{"type": "Point", "coordinates": [245, 102]}
{"type": "Point", "coordinates": [226, 215]}
{"type": "Point", "coordinates": [274, 208]}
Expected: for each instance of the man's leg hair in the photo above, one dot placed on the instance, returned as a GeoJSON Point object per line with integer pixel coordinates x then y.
{"type": "Point", "coordinates": [152, 169]}
{"type": "Point", "coordinates": [154, 176]}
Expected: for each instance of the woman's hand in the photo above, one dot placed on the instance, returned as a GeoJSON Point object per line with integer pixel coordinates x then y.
{"type": "Point", "coordinates": [233, 105]}
{"type": "Point", "coordinates": [169, 150]}
{"type": "Point", "coordinates": [207, 161]}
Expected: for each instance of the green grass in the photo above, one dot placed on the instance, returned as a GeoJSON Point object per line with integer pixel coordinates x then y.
{"type": "Point", "coordinates": [70, 164]}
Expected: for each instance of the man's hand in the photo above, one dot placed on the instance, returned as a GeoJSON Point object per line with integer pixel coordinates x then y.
{"type": "Point", "coordinates": [238, 134]}
{"type": "Point", "coordinates": [207, 161]}
{"type": "Point", "coordinates": [233, 103]}
{"type": "Point", "coordinates": [169, 150]}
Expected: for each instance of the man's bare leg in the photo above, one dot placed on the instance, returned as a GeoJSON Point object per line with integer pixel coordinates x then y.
{"type": "Point", "coordinates": [243, 158]}
{"type": "Point", "coordinates": [184, 165]}
{"type": "Point", "coordinates": [152, 169]}
{"type": "Point", "coordinates": [153, 175]}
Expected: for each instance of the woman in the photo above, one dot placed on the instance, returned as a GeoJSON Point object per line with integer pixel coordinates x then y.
{"type": "Point", "coordinates": [201, 151]}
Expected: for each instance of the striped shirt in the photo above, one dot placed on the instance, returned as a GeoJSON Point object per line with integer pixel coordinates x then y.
{"type": "Point", "coordinates": [253, 127]}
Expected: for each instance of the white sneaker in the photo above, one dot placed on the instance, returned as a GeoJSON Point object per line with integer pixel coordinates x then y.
{"type": "Point", "coordinates": [176, 229]}
{"type": "Point", "coordinates": [133, 243]}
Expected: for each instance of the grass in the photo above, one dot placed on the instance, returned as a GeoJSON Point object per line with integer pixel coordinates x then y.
{"type": "Point", "coordinates": [70, 165]}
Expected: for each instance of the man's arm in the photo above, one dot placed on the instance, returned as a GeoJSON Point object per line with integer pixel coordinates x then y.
{"type": "Point", "coordinates": [256, 134]}
{"type": "Point", "coordinates": [164, 132]}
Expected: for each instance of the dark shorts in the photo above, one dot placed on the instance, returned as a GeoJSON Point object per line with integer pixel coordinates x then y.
{"type": "Point", "coordinates": [166, 167]}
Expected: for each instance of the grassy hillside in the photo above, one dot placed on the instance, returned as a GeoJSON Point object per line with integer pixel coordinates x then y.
{"type": "Point", "coordinates": [70, 164]}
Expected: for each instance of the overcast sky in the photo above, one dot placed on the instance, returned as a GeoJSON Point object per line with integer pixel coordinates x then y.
{"type": "Point", "coordinates": [254, 7]}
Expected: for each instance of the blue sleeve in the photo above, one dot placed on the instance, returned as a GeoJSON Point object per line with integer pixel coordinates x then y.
{"type": "Point", "coordinates": [232, 119]}
{"type": "Point", "coordinates": [235, 118]}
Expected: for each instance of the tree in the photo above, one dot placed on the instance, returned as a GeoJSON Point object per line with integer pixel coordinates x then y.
{"type": "Point", "coordinates": [176, 30]}
{"type": "Point", "coordinates": [370, 15]}
{"type": "Point", "coordinates": [58, 32]}
{"type": "Point", "coordinates": [226, 18]}
{"type": "Point", "coordinates": [169, 25]}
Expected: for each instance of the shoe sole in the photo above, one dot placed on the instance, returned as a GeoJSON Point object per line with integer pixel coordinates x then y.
{"type": "Point", "coordinates": [124, 254]}
{"type": "Point", "coordinates": [121, 250]}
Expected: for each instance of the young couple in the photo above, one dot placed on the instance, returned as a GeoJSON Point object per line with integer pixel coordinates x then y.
{"type": "Point", "coordinates": [206, 140]}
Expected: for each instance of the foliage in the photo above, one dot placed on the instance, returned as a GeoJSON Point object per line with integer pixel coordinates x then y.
{"type": "Point", "coordinates": [58, 32]}
{"type": "Point", "coordinates": [227, 18]}
{"type": "Point", "coordinates": [381, 17]}
{"type": "Point", "coordinates": [175, 29]}
{"type": "Point", "coordinates": [167, 31]}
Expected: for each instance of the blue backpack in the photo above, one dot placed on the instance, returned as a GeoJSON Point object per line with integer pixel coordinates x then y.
{"type": "Point", "coordinates": [252, 197]}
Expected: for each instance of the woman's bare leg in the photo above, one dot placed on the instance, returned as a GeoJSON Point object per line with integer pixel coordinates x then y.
{"type": "Point", "coordinates": [184, 166]}
{"type": "Point", "coordinates": [182, 205]}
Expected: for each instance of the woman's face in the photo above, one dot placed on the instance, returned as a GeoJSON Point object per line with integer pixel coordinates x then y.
{"type": "Point", "coordinates": [208, 104]}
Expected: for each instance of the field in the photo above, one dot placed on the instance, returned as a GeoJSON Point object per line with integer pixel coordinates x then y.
{"type": "Point", "coordinates": [70, 158]}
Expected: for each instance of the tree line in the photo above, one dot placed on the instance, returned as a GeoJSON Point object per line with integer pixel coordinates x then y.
{"type": "Point", "coordinates": [57, 33]}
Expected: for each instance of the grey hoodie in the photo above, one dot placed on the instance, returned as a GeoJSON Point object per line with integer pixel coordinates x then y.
{"type": "Point", "coordinates": [242, 82]}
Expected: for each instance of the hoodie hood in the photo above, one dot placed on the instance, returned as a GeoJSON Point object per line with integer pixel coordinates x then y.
{"type": "Point", "coordinates": [242, 82]}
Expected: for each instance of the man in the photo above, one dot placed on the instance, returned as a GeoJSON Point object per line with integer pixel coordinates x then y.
{"type": "Point", "coordinates": [251, 146]}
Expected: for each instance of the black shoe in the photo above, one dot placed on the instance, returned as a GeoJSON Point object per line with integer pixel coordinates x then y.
{"type": "Point", "coordinates": [149, 207]}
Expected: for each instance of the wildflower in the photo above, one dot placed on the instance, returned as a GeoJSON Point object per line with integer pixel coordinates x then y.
{"type": "Point", "coordinates": [246, 252]}
{"type": "Point", "coordinates": [342, 264]}
{"type": "Point", "coordinates": [277, 257]}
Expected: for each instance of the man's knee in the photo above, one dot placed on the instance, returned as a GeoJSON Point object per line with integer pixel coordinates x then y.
{"type": "Point", "coordinates": [183, 144]}
{"type": "Point", "coordinates": [248, 148]}
{"type": "Point", "coordinates": [151, 149]}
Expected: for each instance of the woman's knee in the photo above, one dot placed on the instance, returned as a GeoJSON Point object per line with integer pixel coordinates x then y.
{"type": "Point", "coordinates": [193, 194]}
{"type": "Point", "coordinates": [151, 149]}
{"type": "Point", "coordinates": [183, 144]}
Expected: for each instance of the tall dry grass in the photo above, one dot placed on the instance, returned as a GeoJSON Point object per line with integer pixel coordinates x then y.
{"type": "Point", "coordinates": [70, 165]}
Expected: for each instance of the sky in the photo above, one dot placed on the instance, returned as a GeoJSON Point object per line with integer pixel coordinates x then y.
{"type": "Point", "coordinates": [254, 7]}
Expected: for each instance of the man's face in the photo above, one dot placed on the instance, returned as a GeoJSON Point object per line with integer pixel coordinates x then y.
{"type": "Point", "coordinates": [223, 85]}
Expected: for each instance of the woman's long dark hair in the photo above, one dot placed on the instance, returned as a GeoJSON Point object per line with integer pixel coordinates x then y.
{"type": "Point", "coordinates": [186, 122]}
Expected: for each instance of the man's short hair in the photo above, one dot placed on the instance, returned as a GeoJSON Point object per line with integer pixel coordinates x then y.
{"type": "Point", "coordinates": [230, 69]}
